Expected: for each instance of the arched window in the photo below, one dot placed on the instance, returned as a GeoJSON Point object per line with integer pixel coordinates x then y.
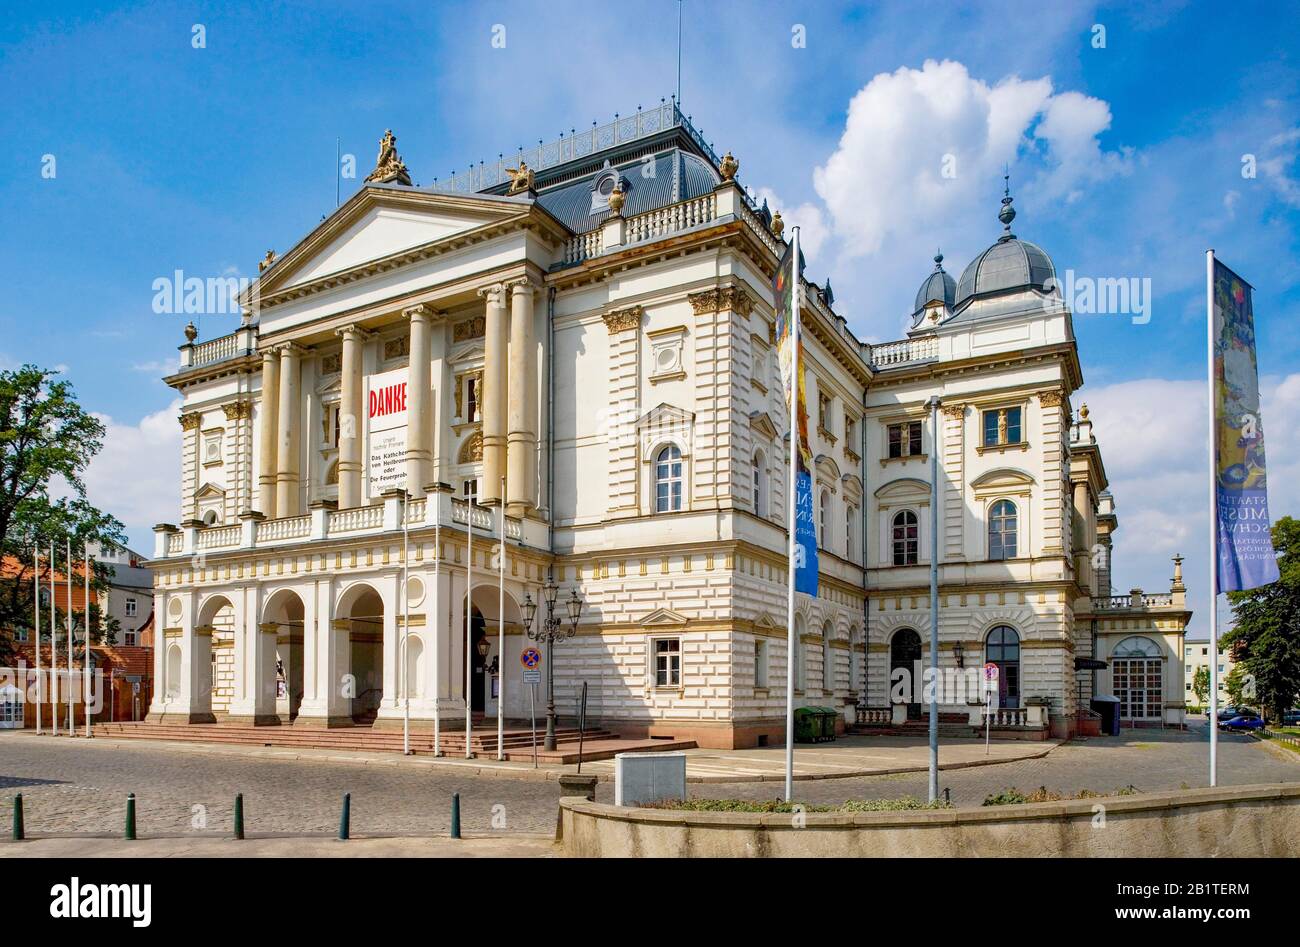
{"type": "Point", "coordinates": [904, 653]}
{"type": "Point", "coordinates": [668, 480]}
{"type": "Point", "coordinates": [1002, 647]}
{"type": "Point", "coordinates": [760, 485]}
{"type": "Point", "coordinates": [825, 519]}
{"type": "Point", "coordinates": [1137, 677]}
{"type": "Point", "coordinates": [906, 538]}
{"type": "Point", "coordinates": [800, 658]}
{"type": "Point", "coordinates": [828, 660]}
{"type": "Point", "coordinates": [1002, 530]}
{"type": "Point", "coordinates": [211, 518]}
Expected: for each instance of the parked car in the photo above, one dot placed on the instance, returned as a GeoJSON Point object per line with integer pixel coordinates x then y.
{"type": "Point", "coordinates": [1245, 721]}
{"type": "Point", "coordinates": [1227, 713]}
{"type": "Point", "coordinates": [1291, 718]}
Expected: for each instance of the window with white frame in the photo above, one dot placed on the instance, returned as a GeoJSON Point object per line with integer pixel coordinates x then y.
{"type": "Point", "coordinates": [1002, 426]}
{"type": "Point", "coordinates": [130, 607]}
{"type": "Point", "coordinates": [850, 530]}
{"type": "Point", "coordinates": [668, 662]}
{"type": "Point", "coordinates": [470, 490]}
{"type": "Point", "coordinates": [668, 480]}
{"type": "Point", "coordinates": [760, 485]}
{"type": "Point", "coordinates": [132, 637]}
{"type": "Point", "coordinates": [1003, 527]}
{"type": "Point", "coordinates": [760, 662]}
{"type": "Point", "coordinates": [904, 439]}
{"type": "Point", "coordinates": [824, 519]}
{"type": "Point", "coordinates": [905, 536]}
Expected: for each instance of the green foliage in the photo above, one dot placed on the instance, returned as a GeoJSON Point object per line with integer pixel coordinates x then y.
{"type": "Point", "coordinates": [1266, 638]}
{"type": "Point", "coordinates": [46, 443]}
{"type": "Point", "coordinates": [1014, 797]}
{"type": "Point", "coordinates": [1201, 684]}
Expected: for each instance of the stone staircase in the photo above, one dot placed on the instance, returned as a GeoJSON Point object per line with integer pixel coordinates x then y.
{"type": "Point", "coordinates": [518, 744]}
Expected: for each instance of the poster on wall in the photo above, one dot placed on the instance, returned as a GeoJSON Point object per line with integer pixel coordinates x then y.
{"type": "Point", "coordinates": [386, 431]}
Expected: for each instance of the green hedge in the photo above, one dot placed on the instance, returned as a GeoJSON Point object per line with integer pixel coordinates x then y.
{"type": "Point", "coordinates": [1014, 797]}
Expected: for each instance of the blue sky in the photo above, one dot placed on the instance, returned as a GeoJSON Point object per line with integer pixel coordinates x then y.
{"type": "Point", "coordinates": [1126, 161]}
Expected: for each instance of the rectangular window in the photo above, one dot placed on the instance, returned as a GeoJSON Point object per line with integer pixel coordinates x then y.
{"type": "Point", "coordinates": [850, 430]}
{"type": "Point", "coordinates": [668, 662]}
{"type": "Point", "coordinates": [471, 398]}
{"type": "Point", "coordinates": [471, 490]}
{"type": "Point", "coordinates": [130, 607]}
{"type": "Point", "coordinates": [905, 439]}
{"type": "Point", "coordinates": [132, 637]}
{"type": "Point", "coordinates": [1002, 426]}
{"type": "Point", "coordinates": [760, 663]}
{"type": "Point", "coordinates": [823, 412]}
{"type": "Point", "coordinates": [21, 634]}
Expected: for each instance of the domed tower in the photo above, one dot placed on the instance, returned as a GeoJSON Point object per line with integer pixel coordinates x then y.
{"type": "Point", "coordinates": [1010, 266]}
{"type": "Point", "coordinates": [935, 298]}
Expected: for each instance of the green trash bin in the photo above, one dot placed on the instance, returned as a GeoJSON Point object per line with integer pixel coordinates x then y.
{"type": "Point", "coordinates": [826, 723]}
{"type": "Point", "coordinates": [807, 725]}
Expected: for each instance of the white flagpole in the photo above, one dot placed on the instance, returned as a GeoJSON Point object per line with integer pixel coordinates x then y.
{"type": "Point", "coordinates": [36, 610]}
{"type": "Point", "coordinates": [501, 627]}
{"type": "Point", "coordinates": [437, 615]}
{"type": "Point", "coordinates": [406, 626]}
{"type": "Point", "coordinates": [54, 647]}
{"type": "Point", "coordinates": [1214, 524]}
{"type": "Point", "coordinates": [85, 688]}
{"type": "Point", "coordinates": [791, 517]}
{"type": "Point", "coordinates": [469, 619]}
{"type": "Point", "coordinates": [72, 720]}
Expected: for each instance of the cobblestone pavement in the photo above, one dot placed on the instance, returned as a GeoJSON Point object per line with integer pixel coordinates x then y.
{"type": "Point", "coordinates": [71, 786]}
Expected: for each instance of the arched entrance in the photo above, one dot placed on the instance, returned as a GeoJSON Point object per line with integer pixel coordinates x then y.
{"type": "Point", "coordinates": [480, 646]}
{"type": "Point", "coordinates": [1002, 647]}
{"type": "Point", "coordinates": [284, 610]}
{"type": "Point", "coordinates": [905, 655]}
{"type": "Point", "coordinates": [1137, 673]}
{"type": "Point", "coordinates": [216, 617]}
{"type": "Point", "coordinates": [361, 610]}
{"type": "Point", "coordinates": [487, 665]}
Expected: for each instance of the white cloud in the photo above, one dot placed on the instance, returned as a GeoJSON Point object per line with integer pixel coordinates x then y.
{"type": "Point", "coordinates": [806, 216]}
{"type": "Point", "coordinates": [136, 476]}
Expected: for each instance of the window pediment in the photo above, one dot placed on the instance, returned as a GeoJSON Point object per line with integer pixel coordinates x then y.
{"type": "Point", "coordinates": [1003, 478]}
{"type": "Point", "coordinates": [904, 489]}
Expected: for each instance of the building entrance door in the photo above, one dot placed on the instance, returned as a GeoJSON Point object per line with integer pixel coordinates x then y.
{"type": "Point", "coordinates": [905, 658]}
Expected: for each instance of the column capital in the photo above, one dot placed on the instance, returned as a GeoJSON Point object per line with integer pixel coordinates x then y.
{"type": "Point", "coordinates": [420, 311]}
{"type": "Point", "coordinates": [290, 349]}
{"type": "Point", "coordinates": [493, 293]}
{"type": "Point", "coordinates": [521, 284]}
{"type": "Point", "coordinates": [358, 333]}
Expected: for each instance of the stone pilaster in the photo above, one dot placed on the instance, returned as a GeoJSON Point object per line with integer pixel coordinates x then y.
{"type": "Point", "coordinates": [494, 394]}
{"type": "Point", "coordinates": [1051, 421]}
{"type": "Point", "coordinates": [191, 422]}
{"type": "Point", "coordinates": [952, 544]}
{"type": "Point", "coordinates": [268, 430]}
{"type": "Point", "coordinates": [719, 464]}
{"type": "Point", "coordinates": [624, 327]}
{"type": "Point", "coordinates": [238, 444]}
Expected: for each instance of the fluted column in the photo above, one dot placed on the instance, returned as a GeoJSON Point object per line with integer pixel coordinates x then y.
{"type": "Point", "coordinates": [419, 449]}
{"type": "Point", "coordinates": [492, 400]}
{"type": "Point", "coordinates": [287, 492]}
{"type": "Point", "coordinates": [350, 426]}
{"type": "Point", "coordinates": [268, 421]}
{"type": "Point", "coordinates": [521, 440]}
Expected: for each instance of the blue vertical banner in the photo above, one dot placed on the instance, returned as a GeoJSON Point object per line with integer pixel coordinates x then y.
{"type": "Point", "coordinates": [805, 536]}
{"type": "Point", "coordinates": [1245, 542]}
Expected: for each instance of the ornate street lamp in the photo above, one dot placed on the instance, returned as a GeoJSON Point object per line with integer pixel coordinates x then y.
{"type": "Point", "coordinates": [550, 630]}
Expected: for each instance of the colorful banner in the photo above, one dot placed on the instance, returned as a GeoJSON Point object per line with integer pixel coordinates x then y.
{"type": "Point", "coordinates": [386, 431]}
{"type": "Point", "coordinates": [1245, 544]}
{"type": "Point", "coordinates": [805, 536]}
{"type": "Point", "coordinates": [786, 325]}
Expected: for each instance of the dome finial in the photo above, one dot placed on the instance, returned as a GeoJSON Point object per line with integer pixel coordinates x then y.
{"type": "Point", "coordinates": [1008, 213]}
{"type": "Point", "coordinates": [938, 260]}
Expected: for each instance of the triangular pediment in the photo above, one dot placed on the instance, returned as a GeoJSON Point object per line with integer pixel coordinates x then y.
{"type": "Point", "coordinates": [469, 352]}
{"type": "Point", "coordinates": [380, 222]}
{"type": "Point", "coordinates": [664, 616]}
{"type": "Point", "coordinates": [761, 423]}
{"type": "Point", "coordinates": [208, 491]}
{"type": "Point", "coordinates": [765, 620]}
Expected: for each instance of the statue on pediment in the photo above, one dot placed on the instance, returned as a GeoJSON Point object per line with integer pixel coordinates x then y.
{"type": "Point", "coordinates": [389, 167]}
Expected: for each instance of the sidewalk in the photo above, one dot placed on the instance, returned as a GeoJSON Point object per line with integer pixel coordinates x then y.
{"type": "Point", "coordinates": [520, 846]}
{"type": "Point", "coordinates": [844, 758]}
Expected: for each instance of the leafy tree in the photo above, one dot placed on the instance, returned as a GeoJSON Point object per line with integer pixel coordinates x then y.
{"type": "Point", "coordinates": [1240, 688]}
{"type": "Point", "coordinates": [46, 442]}
{"type": "Point", "coordinates": [1201, 685]}
{"type": "Point", "coordinates": [1266, 638]}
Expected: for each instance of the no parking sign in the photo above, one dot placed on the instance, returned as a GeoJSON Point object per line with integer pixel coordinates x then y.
{"type": "Point", "coordinates": [531, 659]}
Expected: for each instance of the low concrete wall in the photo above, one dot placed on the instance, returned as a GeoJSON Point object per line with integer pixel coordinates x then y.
{"type": "Point", "coordinates": [1241, 822]}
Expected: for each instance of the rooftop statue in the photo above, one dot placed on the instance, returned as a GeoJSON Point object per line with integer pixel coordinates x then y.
{"type": "Point", "coordinates": [522, 178]}
{"type": "Point", "coordinates": [389, 166]}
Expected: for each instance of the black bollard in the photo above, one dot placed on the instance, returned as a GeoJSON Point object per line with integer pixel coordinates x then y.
{"type": "Point", "coordinates": [130, 817]}
{"type": "Point", "coordinates": [345, 820]}
{"type": "Point", "coordinates": [455, 815]}
{"type": "Point", "coordinates": [239, 815]}
{"type": "Point", "coordinates": [18, 818]}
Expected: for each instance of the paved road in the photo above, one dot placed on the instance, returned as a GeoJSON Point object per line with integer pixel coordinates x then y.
{"type": "Point", "coordinates": [73, 786]}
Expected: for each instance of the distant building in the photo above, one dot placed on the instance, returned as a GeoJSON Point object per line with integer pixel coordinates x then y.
{"type": "Point", "coordinates": [1196, 655]}
{"type": "Point", "coordinates": [129, 598]}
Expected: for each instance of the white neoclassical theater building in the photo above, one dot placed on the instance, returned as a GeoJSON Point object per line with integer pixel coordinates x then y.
{"type": "Point", "coordinates": [578, 344]}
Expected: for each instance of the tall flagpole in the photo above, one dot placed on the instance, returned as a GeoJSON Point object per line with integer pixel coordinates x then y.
{"type": "Point", "coordinates": [36, 610]}
{"type": "Point", "coordinates": [501, 626]}
{"type": "Point", "coordinates": [54, 647]}
{"type": "Point", "coordinates": [406, 626]}
{"type": "Point", "coordinates": [934, 599]}
{"type": "Point", "coordinates": [85, 685]}
{"type": "Point", "coordinates": [1214, 523]}
{"type": "Point", "coordinates": [791, 518]}
{"type": "Point", "coordinates": [469, 619]}
{"type": "Point", "coordinates": [72, 720]}
{"type": "Point", "coordinates": [437, 616]}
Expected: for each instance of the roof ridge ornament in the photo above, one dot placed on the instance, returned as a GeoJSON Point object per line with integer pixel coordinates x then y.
{"type": "Point", "coordinates": [1008, 213]}
{"type": "Point", "coordinates": [389, 167]}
